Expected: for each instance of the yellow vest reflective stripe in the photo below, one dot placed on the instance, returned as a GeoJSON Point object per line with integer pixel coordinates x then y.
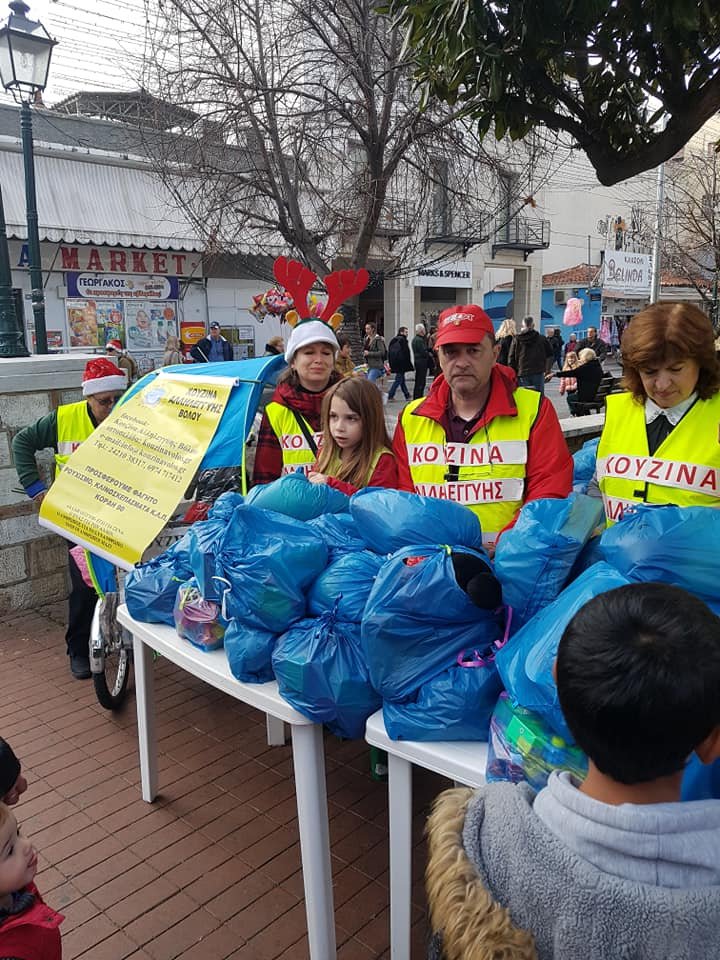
{"type": "Point", "coordinates": [73, 426]}
{"type": "Point", "coordinates": [487, 474]}
{"type": "Point", "coordinates": [684, 470]}
{"type": "Point", "coordinates": [295, 449]}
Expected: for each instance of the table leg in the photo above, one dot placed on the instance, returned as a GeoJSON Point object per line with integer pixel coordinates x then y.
{"type": "Point", "coordinates": [400, 809]}
{"type": "Point", "coordinates": [311, 794]}
{"type": "Point", "coordinates": [275, 731]}
{"type": "Point", "coordinates": [145, 701]}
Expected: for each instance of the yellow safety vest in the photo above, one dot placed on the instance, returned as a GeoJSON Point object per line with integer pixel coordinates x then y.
{"type": "Point", "coordinates": [73, 426]}
{"type": "Point", "coordinates": [296, 451]}
{"type": "Point", "coordinates": [491, 466]}
{"type": "Point", "coordinates": [684, 470]}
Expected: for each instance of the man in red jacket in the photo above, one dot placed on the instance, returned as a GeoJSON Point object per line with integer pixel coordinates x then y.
{"type": "Point", "coordinates": [477, 438]}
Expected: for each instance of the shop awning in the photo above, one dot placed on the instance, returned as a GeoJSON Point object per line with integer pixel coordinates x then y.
{"type": "Point", "coordinates": [83, 200]}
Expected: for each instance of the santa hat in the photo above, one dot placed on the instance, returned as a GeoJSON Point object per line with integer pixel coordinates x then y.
{"type": "Point", "coordinates": [114, 345]}
{"type": "Point", "coordinates": [307, 332]}
{"type": "Point", "coordinates": [101, 375]}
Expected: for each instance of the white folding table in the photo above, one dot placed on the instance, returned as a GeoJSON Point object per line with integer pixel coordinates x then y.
{"type": "Point", "coordinates": [308, 758]}
{"type": "Point", "coordinates": [459, 761]}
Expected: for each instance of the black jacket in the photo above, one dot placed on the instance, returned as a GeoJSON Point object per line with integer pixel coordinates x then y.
{"type": "Point", "coordinates": [588, 377]}
{"type": "Point", "coordinates": [399, 355]}
{"type": "Point", "coordinates": [529, 353]}
{"type": "Point", "coordinates": [201, 351]}
{"type": "Point", "coordinates": [598, 345]}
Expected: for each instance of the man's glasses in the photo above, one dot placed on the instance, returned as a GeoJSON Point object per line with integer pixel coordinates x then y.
{"type": "Point", "coordinates": [106, 401]}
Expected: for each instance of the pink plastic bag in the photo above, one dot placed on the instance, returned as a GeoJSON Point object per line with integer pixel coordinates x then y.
{"type": "Point", "coordinates": [573, 312]}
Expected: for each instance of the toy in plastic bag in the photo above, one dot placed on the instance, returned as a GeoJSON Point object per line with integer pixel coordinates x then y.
{"type": "Point", "coordinates": [196, 620]}
{"type": "Point", "coordinates": [294, 496]}
{"type": "Point", "coordinates": [249, 653]}
{"type": "Point", "coordinates": [525, 662]}
{"type": "Point", "coordinates": [573, 315]}
{"type": "Point", "coordinates": [389, 520]}
{"type": "Point", "coordinates": [151, 588]}
{"type": "Point", "coordinates": [321, 672]}
{"type": "Point", "coordinates": [339, 532]}
{"type": "Point", "coordinates": [521, 747]}
{"type": "Point", "coordinates": [669, 544]}
{"type": "Point", "coordinates": [269, 560]}
{"type": "Point", "coordinates": [584, 461]}
{"type": "Point", "coordinates": [534, 558]}
{"type": "Point", "coordinates": [418, 618]}
{"type": "Point", "coordinates": [346, 582]}
{"type": "Point", "coordinates": [455, 705]}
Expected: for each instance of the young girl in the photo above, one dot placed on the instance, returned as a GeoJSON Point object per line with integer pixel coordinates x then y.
{"type": "Point", "coordinates": [28, 927]}
{"type": "Point", "coordinates": [356, 449]}
{"type": "Point", "coordinates": [569, 384]}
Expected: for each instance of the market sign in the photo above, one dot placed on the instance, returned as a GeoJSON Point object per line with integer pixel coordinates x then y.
{"type": "Point", "coordinates": [86, 258]}
{"type": "Point", "coordinates": [99, 286]}
{"type": "Point", "coordinates": [626, 274]}
{"type": "Point", "coordinates": [449, 273]}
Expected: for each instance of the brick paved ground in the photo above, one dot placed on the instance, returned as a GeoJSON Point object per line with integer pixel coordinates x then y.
{"type": "Point", "coordinates": [211, 870]}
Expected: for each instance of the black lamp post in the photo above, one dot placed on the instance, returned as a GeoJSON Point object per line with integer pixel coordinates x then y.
{"type": "Point", "coordinates": [12, 335]}
{"type": "Point", "coordinates": [25, 51]}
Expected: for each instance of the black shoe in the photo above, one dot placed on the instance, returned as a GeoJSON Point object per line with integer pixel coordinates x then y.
{"type": "Point", "coordinates": [80, 666]}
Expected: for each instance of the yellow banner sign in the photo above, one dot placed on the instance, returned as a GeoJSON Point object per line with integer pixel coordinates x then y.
{"type": "Point", "coordinates": [120, 487]}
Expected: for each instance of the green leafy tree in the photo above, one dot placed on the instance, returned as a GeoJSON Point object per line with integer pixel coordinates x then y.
{"type": "Point", "coordinates": [630, 80]}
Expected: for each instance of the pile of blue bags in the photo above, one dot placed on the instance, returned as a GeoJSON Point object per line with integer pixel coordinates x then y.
{"type": "Point", "coordinates": [387, 598]}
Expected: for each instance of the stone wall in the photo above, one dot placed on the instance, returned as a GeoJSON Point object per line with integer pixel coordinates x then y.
{"type": "Point", "coordinates": [33, 562]}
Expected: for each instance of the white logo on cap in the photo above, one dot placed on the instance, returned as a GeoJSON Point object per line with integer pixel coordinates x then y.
{"type": "Point", "coordinates": [458, 318]}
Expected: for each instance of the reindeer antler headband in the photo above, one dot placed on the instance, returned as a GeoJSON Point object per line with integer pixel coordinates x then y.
{"type": "Point", "coordinates": [298, 280]}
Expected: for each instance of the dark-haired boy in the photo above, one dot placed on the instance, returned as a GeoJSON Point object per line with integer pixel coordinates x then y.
{"type": "Point", "coordinates": [12, 782]}
{"type": "Point", "coordinates": [614, 866]}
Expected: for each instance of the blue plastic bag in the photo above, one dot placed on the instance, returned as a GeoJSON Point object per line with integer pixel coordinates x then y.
{"type": "Point", "coordinates": [294, 496]}
{"type": "Point", "coordinates": [701, 781]}
{"type": "Point", "coordinates": [525, 662]}
{"type": "Point", "coordinates": [321, 672]}
{"type": "Point", "coordinates": [268, 560]}
{"type": "Point", "coordinates": [339, 532]}
{"type": "Point", "coordinates": [346, 582]}
{"type": "Point", "coordinates": [534, 558]}
{"type": "Point", "coordinates": [151, 588]}
{"type": "Point", "coordinates": [389, 520]}
{"type": "Point", "coordinates": [455, 705]}
{"type": "Point", "coordinates": [584, 461]}
{"type": "Point", "coordinates": [417, 620]}
{"type": "Point", "coordinates": [669, 544]}
{"type": "Point", "coordinates": [249, 652]}
{"type": "Point", "coordinates": [204, 541]}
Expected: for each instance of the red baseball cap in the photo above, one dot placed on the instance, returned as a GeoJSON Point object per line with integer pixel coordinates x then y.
{"type": "Point", "coordinates": [463, 324]}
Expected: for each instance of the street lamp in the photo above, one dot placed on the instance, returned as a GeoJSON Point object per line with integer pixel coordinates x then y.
{"type": "Point", "coordinates": [25, 51]}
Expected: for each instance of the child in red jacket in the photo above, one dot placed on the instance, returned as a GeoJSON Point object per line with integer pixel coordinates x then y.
{"type": "Point", "coordinates": [356, 449]}
{"type": "Point", "coordinates": [29, 929]}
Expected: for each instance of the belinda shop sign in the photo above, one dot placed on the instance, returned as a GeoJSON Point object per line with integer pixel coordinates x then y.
{"type": "Point", "coordinates": [98, 286]}
{"type": "Point", "coordinates": [626, 274]}
{"type": "Point", "coordinates": [122, 260]}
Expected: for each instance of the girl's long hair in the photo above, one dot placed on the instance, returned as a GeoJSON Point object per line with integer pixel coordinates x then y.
{"type": "Point", "coordinates": [364, 399]}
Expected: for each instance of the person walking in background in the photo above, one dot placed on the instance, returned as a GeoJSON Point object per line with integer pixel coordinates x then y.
{"type": "Point", "coordinates": [123, 359]}
{"type": "Point", "coordinates": [421, 359]}
{"type": "Point", "coordinates": [172, 355]}
{"type": "Point", "coordinates": [571, 346]}
{"type": "Point", "coordinates": [375, 354]}
{"type": "Point", "coordinates": [213, 348]}
{"type": "Point", "coordinates": [531, 357]}
{"type": "Point", "coordinates": [344, 363]}
{"type": "Point", "coordinates": [400, 363]}
{"type": "Point", "coordinates": [556, 342]}
{"type": "Point", "coordinates": [504, 338]}
{"type": "Point", "coordinates": [64, 430]}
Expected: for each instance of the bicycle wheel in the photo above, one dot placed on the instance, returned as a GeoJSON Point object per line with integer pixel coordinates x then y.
{"type": "Point", "coordinates": [110, 656]}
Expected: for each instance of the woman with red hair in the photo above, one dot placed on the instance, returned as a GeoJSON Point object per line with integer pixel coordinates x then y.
{"type": "Point", "coordinates": [661, 440]}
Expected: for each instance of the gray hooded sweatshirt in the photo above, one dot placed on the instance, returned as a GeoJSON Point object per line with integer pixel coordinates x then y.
{"type": "Point", "coordinates": [600, 882]}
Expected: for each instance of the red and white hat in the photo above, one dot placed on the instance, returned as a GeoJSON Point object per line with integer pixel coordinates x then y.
{"type": "Point", "coordinates": [101, 376]}
{"type": "Point", "coordinates": [114, 345]}
{"type": "Point", "coordinates": [463, 324]}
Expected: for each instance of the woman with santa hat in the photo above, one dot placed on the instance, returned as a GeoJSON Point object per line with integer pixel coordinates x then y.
{"type": "Point", "coordinates": [64, 429]}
